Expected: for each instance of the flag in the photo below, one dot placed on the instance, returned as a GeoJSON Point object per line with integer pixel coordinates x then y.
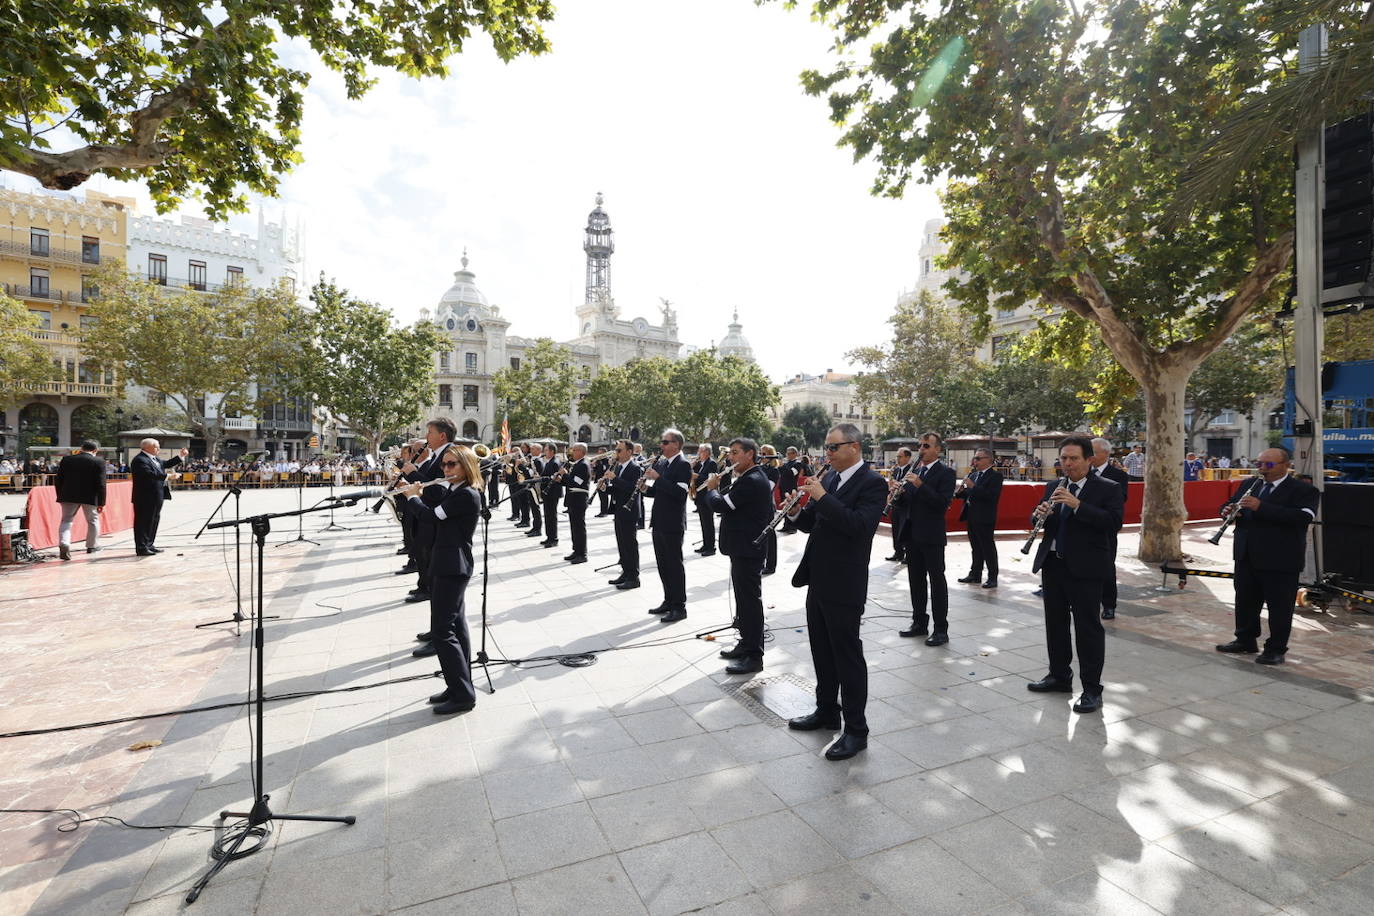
{"type": "Point", "coordinates": [505, 435]}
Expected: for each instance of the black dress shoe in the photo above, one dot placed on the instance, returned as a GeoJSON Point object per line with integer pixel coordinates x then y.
{"type": "Point", "coordinates": [970, 579]}
{"type": "Point", "coordinates": [769, 572]}
{"type": "Point", "coordinates": [707, 553]}
{"type": "Point", "coordinates": [548, 543]}
{"type": "Point", "coordinates": [534, 534]}
{"type": "Point", "coordinates": [991, 583]}
{"type": "Point", "coordinates": [417, 597]}
{"type": "Point", "coordinates": [144, 553]}
{"type": "Point", "coordinates": [424, 651]}
{"type": "Point", "coordinates": [734, 653]}
{"type": "Point", "coordinates": [577, 558]}
{"type": "Point", "coordinates": [813, 722]}
{"type": "Point", "coordinates": [616, 581]}
{"type": "Point", "coordinates": [1109, 613]}
{"type": "Point", "coordinates": [1050, 685]}
{"type": "Point", "coordinates": [896, 557]}
{"type": "Point", "coordinates": [937, 639]}
{"type": "Point", "coordinates": [1237, 647]}
{"type": "Point", "coordinates": [699, 550]}
{"type": "Point", "coordinates": [1269, 658]}
{"type": "Point", "coordinates": [914, 630]}
{"type": "Point", "coordinates": [846, 747]}
{"type": "Point", "coordinates": [673, 617]}
{"type": "Point", "coordinates": [745, 666]}
{"type": "Point", "coordinates": [407, 569]}
{"type": "Point", "coordinates": [627, 585]}
{"type": "Point", "coordinates": [1038, 592]}
{"type": "Point", "coordinates": [400, 552]}
{"type": "Point", "coordinates": [450, 707]}
{"type": "Point", "coordinates": [156, 549]}
{"type": "Point", "coordinates": [440, 697]}
{"type": "Point", "coordinates": [1088, 702]}
{"type": "Point", "coordinates": [661, 609]}
{"type": "Point", "coordinates": [521, 524]}
{"type": "Point", "coordinates": [426, 636]}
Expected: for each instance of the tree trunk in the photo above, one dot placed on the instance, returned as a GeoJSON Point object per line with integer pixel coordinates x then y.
{"type": "Point", "coordinates": [1164, 513]}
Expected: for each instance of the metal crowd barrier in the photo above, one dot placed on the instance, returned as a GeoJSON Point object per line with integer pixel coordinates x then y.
{"type": "Point", "coordinates": [219, 480]}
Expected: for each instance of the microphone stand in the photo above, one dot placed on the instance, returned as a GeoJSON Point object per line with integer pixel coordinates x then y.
{"type": "Point", "coordinates": [332, 526]}
{"type": "Point", "coordinates": [228, 847]}
{"type": "Point", "coordinates": [238, 617]}
{"type": "Point", "coordinates": [300, 518]}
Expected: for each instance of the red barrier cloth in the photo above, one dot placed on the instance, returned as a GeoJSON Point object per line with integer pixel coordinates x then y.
{"type": "Point", "coordinates": [45, 514]}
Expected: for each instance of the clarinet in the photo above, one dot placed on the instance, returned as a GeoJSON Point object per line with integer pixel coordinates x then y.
{"type": "Point", "coordinates": [781, 514]}
{"type": "Point", "coordinates": [1235, 510]}
{"type": "Point", "coordinates": [1039, 523]}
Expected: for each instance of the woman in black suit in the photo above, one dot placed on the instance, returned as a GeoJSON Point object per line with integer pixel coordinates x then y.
{"type": "Point", "coordinates": [454, 520]}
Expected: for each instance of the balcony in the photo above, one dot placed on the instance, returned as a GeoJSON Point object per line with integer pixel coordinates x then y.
{"type": "Point", "coordinates": [49, 253]}
{"type": "Point", "coordinates": [43, 294]}
{"type": "Point", "coordinates": [57, 338]}
{"type": "Point", "coordinates": [238, 423]}
{"type": "Point", "coordinates": [76, 389]}
{"type": "Point", "coordinates": [182, 283]}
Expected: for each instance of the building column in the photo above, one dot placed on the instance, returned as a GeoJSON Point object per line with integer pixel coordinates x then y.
{"type": "Point", "coordinates": [64, 423]}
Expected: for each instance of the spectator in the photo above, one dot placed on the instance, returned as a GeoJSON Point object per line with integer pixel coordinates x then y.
{"type": "Point", "coordinates": [1192, 467]}
{"type": "Point", "coordinates": [1134, 463]}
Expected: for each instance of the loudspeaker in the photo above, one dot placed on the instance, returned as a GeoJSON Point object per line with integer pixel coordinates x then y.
{"type": "Point", "coordinates": [1347, 532]}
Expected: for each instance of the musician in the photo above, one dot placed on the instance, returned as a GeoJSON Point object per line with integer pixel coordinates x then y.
{"type": "Point", "coordinates": [622, 480]}
{"type": "Point", "coordinates": [534, 469]}
{"type": "Point", "coordinates": [926, 493]}
{"type": "Point", "coordinates": [407, 523]}
{"type": "Point", "coordinates": [702, 469]}
{"type": "Point", "coordinates": [787, 482]}
{"type": "Point", "coordinates": [439, 435]}
{"type": "Point", "coordinates": [768, 461]}
{"type": "Point", "coordinates": [551, 491]}
{"type": "Point", "coordinates": [1074, 559]}
{"type": "Point", "coordinates": [493, 481]}
{"type": "Point", "coordinates": [1270, 547]}
{"type": "Point", "coordinates": [744, 512]}
{"type": "Point", "coordinates": [841, 516]}
{"type": "Point", "coordinates": [579, 481]}
{"type": "Point", "coordinates": [642, 461]}
{"type": "Point", "coordinates": [512, 473]}
{"type": "Point", "coordinates": [897, 515]}
{"type": "Point", "coordinates": [981, 491]}
{"type": "Point", "coordinates": [599, 469]}
{"type": "Point", "coordinates": [669, 479]}
{"type": "Point", "coordinates": [1102, 466]}
{"type": "Point", "coordinates": [452, 514]}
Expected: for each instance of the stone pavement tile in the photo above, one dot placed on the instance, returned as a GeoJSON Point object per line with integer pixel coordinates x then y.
{"type": "Point", "coordinates": [1172, 884]}
{"type": "Point", "coordinates": [930, 805]}
{"type": "Point", "coordinates": [617, 771]}
{"type": "Point", "coordinates": [773, 848]}
{"type": "Point", "coordinates": [690, 756]}
{"type": "Point", "coordinates": [354, 883]}
{"type": "Point", "coordinates": [438, 866]}
{"type": "Point", "coordinates": [1161, 800]}
{"type": "Point", "coordinates": [758, 742]}
{"type": "Point", "coordinates": [1298, 749]}
{"type": "Point", "coordinates": [808, 776]}
{"type": "Point", "coordinates": [942, 743]}
{"type": "Point", "coordinates": [1061, 822]}
{"type": "Point", "coordinates": [1197, 730]}
{"type": "Point", "coordinates": [729, 795]}
{"type": "Point", "coordinates": [643, 816]}
{"type": "Point", "coordinates": [302, 841]}
{"type": "Point", "coordinates": [1354, 781]}
{"type": "Point", "coordinates": [409, 770]}
{"type": "Point", "coordinates": [1036, 719]}
{"type": "Point", "coordinates": [492, 900]}
{"type": "Point", "coordinates": [1105, 756]}
{"type": "Point", "coordinates": [1244, 719]}
{"type": "Point", "coordinates": [590, 736]}
{"type": "Point", "coordinates": [1307, 696]}
{"type": "Point", "coordinates": [978, 697]}
{"type": "Point", "coordinates": [513, 792]}
{"type": "Point", "coordinates": [515, 752]}
{"type": "Point", "coordinates": [560, 711]}
{"type": "Point", "coordinates": [1326, 806]}
{"type": "Point", "coordinates": [1082, 895]}
{"type": "Point", "coordinates": [595, 886]}
{"type": "Point", "coordinates": [550, 838]}
{"type": "Point", "coordinates": [919, 707]}
{"type": "Point", "coordinates": [836, 890]}
{"type": "Point", "coordinates": [682, 874]}
{"type": "Point", "coordinates": [856, 823]}
{"type": "Point", "coordinates": [998, 787]}
{"type": "Point", "coordinates": [923, 871]}
{"type": "Point", "coordinates": [433, 809]}
{"type": "Point", "coordinates": [747, 905]}
{"type": "Point", "coordinates": [513, 722]}
{"type": "Point", "coordinates": [1271, 702]}
{"type": "Point", "coordinates": [1254, 860]}
{"type": "Point", "coordinates": [225, 896]}
{"type": "Point", "coordinates": [21, 885]}
{"type": "Point", "coordinates": [1249, 774]}
{"type": "Point", "coordinates": [720, 714]}
{"type": "Point", "coordinates": [184, 857]}
{"type": "Point", "coordinates": [660, 725]}
{"type": "Point", "coordinates": [1350, 893]}
{"type": "Point", "coordinates": [930, 676]}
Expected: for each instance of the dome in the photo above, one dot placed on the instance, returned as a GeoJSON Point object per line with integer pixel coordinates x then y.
{"type": "Point", "coordinates": [464, 290]}
{"type": "Point", "coordinates": [734, 343]}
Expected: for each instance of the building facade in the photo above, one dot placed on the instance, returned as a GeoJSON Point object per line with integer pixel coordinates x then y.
{"type": "Point", "coordinates": [832, 390]}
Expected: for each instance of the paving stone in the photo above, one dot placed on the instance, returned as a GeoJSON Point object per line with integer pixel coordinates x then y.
{"type": "Point", "coordinates": [774, 848]}
{"type": "Point", "coordinates": [493, 900]}
{"type": "Point", "coordinates": [683, 874]}
{"type": "Point", "coordinates": [595, 886]}
{"type": "Point", "coordinates": [355, 883]}
{"type": "Point", "coordinates": [836, 890]}
{"type": "Point", "coordinates": [512, 792]}
{"type": "Point", "coordinates": [922, 871]}
{"type": "Point", "coordinates": [856, 824]}
{"type": "Point", "coordinates": [1172, 884]}
{"type": "Point", "coordinates": [547, 839]}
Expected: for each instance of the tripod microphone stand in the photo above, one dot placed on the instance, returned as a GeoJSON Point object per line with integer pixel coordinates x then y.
{"type": "Point", "coordinates": [228, 848]}
{"type": "Point", "coordinates": [238, 617]}
{"type": "Point", "coordinates": [332, 526]}
{"type": "Point", "coordinates": [300, 517]}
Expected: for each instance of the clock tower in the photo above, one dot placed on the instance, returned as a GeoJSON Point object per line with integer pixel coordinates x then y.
{"type": "Point", "coordinates": [599, 243]}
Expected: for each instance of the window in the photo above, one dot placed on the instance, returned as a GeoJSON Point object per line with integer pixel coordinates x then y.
{"type": "Point", "coordinates": [38, 283]}
{"type": "Point", "coordinates": [157, 269]}
{"type": "Point", "coordinates": [233, 276]}
{"type": "Point", "coordinates": [515, 362]}
{"type": "Point", "coordinates": [1000, 344]}
{"type": "Point", "coordinates": [470, 362]}
{"type": "Point", "coordinates": [1225, 418]}
{"type": "Point", "coordinates": [90, 249]}
{"type": "Point", "coordinates": [89, 321]}
{"type": "Point", "coordinates": [835, 409]}
{"type": "Point", "coordinates": [470, 395]}
{"type": "Point", "coordinates": [157, 398]}
{"type": "Point", "coordinates": [88, 375]}
{"type": "Point", "coordinates": [446, 395]}
{"type": "Point", "coordinates": [44, 319]}
{"type": "Point", "coordinates": [89, 289]}
{"type": "Point", "coordinates": [1005, 313]}
{"type": "Point", "coordinates": [443, 362]}
{"type": "Point", "coordinates": [925, 266]}
{"type": "Point", "coordinates": [39, 243]}
{"type": "Point", "coordinates": [195, 275]}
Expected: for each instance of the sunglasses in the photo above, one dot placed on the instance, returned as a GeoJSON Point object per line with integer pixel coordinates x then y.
{"type": "Point", "coordinates": [1267, 464]}
{"type": "Point", "coordinates": [666, 441]}
{"type": "Point", "coordinates": [451, 464]}
{"type": "Point", "coordinates": [835, 446]}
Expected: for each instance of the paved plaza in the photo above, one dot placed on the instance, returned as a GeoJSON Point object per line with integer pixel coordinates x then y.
{"type": "Point", "coordinates": [646, 781]}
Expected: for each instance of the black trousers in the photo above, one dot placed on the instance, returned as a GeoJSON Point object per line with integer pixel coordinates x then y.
{"type": "Point", "coordinates": [787, 523]}
{"type": "Point", "coordinates": [770, 559]}
{"type": "Point", "coordinates": [1072, 600]}
{"type": "Point", "coordinates": [577, 525]}
{"type": "Point", "coordinates": [925, 564]}
{"type": "Point", "coordinates": [639, 510]}
{"type": "Point", "coordinates": [1256, 588]}
{"type": "Point", "coordinates": [984, 543]}
{"type": "Point", "coordinates": [407, 526]}
{"type": "Point", "coordinates": [423, 540]}
{"type": "Point", "coordinates": [838, 656]}
{"type": "Point", "coordinates": [147, 514]}
{"type": "Point", "coordinates": [667, 538]}
{"type": "Point", "coordinates": [493, 491]}
{"type": "Point", "coordinates": [604, 501]}
{"type": "Point", "coordinates": [627, 542]}
{"type": "Point", "coordinates": [551, 520]}
{"type": "Point", "coordinates": [897, 518]}
{"type": "Point", "coordinates": [529, 509]}
{"type": "Point", "coordinates": [708, 524]}
{"type": "Point", "coordinates": [448, 627]}
{"type": "Point", "coordinates": [746, 578]}
{"type": "Point", "coordinates": [513, 497]}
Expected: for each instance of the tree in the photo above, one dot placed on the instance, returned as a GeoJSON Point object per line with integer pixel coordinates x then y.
{"type": "Point", "coordinates": [24, 362]}
{"type": "Point", "coordinates": [1062, 130]}
{"type": "Point", "coordinates": [196, 98]}
{"type": "Point", "coordinates": [363, 368]}
{"type": "Point", "coordinates": [929, 343]}
{"type": "Point", "coordinates": [114, 415]}
{"type": "Point", "coordinates": [538, 397]}
{"type": "Point", "coordinates": [1237, 376]}
{"type": "Point", "coordinates": [812, 421]}
{"type": "Point", "coordinates": [212, 354]}
{"type": "Point", "coordinates": [786, 436]}
{"type": "Point", "coordinates": [637, 395]}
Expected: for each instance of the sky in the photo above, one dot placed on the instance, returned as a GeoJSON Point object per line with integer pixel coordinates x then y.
{"type": "Point", "coordinates": [722, 181]}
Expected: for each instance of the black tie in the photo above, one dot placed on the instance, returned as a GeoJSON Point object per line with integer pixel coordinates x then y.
{"type": "Point", "coordinates": [1062, 540]}
{"type": "Point", "coordinates": [832, 483]}
{"type": "Point", "coordinates": [1265, 490]}
{"type": "Point", "coordinates": [922, 472]}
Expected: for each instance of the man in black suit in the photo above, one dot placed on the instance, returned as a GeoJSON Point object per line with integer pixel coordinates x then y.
{"type": "Point", "coordinates": [768, 462]}
{"type": "Point", "coordinates": [1270, 548]}
{"type": "Point", "coordinates": [1102, 466]}
{"type": "Point", "coordinates": [981, 491]}
{"type": "Point", "coordinates": [534, 495]}
{"type": "Point", "coordinates": [669, 479]}
{"type": "Point", "coordinates": [603, 499]}
{"type": "Point", "coordinates": [841, 516]}
{"type": "Point", "coordinates": [622, 482]}
{"type": "Point", "coordinates": [150, 491]}
{"type": "Point", "coordinates": [80, 488]}
{"type": "Point", "coordinates": [577, 495]}
{"type": "Point", "coordinates": [787, 482]}
{"type": "Point", "coordinates": [704, 467]}
{"type": "Point", "coordinates": [897, 514]}
{"type": "Point", "coordinates": [1075, 556]}
{"type": "Point", "coordinates": [744, 512]}
{"type": "Point", "coordinates": [439, 435]}
{"type": "Point", "coordinates": [552, 492]}
{"type": "Point", "coordinates": [926, 494]}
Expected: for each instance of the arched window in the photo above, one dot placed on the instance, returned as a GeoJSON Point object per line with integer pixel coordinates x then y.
{"type": "Point", "coordinates": [86, 424]}
{"type": "Point", "coordinates": [470, 429]}
{"type": "Point", "coordinates": [584, 433]}
{"type": "Point", "coordinates": [37, 426]}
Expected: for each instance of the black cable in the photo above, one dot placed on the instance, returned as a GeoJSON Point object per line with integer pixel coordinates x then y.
{"type": "Point", "coordinates": [76, 819]}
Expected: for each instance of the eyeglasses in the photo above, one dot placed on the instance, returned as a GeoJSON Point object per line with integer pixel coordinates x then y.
{"type": "Point", "coordinates": [982, 457]}
{"type": "Point", "coordinates": [666, 441]}
{"type": "Point", "coordinates": [925, 445]}
{"type": "Point", "coordinates": [835, 446]}
{"type": "Point", "coordinates": [1267, 464]}
{"type": "Point", "coordinates": [451, 464]}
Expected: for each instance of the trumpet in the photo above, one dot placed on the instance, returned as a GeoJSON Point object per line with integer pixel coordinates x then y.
{"type": "Point", "coordinates": [1040, 522]}
{"type": "Point", "coordinates": [1234, 510]}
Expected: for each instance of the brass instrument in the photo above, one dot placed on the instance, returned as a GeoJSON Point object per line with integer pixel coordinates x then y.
{"type": "Point", "coordinates": [1234, 510]}
{"type": "Point", "coordinates": [1040, 522]}
{"type": "Point", "coordinates": [481, 451]}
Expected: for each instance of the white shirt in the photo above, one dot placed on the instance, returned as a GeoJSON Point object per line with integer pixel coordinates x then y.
{"type": "Point", "coordinates": [846, 474]}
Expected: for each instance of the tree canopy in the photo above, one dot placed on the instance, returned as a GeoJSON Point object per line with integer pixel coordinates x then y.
{"type": "Point", "coordinates": [538, 397]}
{"type": "Point", "coordinates": [811, 420]}
{"type": "Point", "coordinates": [23, 360]}
{"type": "Point", "coordinates": [197, 98]}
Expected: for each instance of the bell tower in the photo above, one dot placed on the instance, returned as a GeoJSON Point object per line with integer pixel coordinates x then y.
{"type": "Point", "coordinates": [598, 243]}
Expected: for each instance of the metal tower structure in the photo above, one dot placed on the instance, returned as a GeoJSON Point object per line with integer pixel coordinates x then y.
{"type": "Point", "coordinates": [598, 243]}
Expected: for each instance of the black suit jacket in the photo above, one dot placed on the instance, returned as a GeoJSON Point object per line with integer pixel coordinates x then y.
{"type": "Point", "coordinates": [787, 476]}
{"type": "Point", "coordinates": [622, 486]}
{"type": "Point", "coordinates": [926, 505]}
{"type": "Point", "coordinates": [980, 500]}
{"type": "Point", "coordinates": [81, 479]}
{"type": "Point", "coordinates": [1112, 472]}
{"type": "Point", "coordinates": [841, 526]}
{"type": "Point", "coordinates": [1090, 531]}
{"type": "Point", "coordinates": [670, 490]}
{"type": "Point", "coordinates": [150, 477]}
{"type": "Point", "coordinates": [702, 470]}
{"type": "Point", "coordinates": [454, 519]}
{"type": "Point", "coordinates": [744, 513]}
{"type": "Point", "coordinates": [551, 492]}
{"type": "Point", "coordinates": [1274, 536]}
{"type": "Point", "coordinates": [579, 477]}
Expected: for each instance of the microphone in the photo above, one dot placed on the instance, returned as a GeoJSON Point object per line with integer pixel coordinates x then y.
{"type": "Point", "coordinates": [357, 495]}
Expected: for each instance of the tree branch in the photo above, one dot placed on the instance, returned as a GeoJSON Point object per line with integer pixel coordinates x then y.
{"type": "Point", "coordinates": [1268, 265]}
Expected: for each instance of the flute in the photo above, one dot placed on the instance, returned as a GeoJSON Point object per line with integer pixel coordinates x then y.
{"type": "Point", "coordinates": [1040, 522]}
